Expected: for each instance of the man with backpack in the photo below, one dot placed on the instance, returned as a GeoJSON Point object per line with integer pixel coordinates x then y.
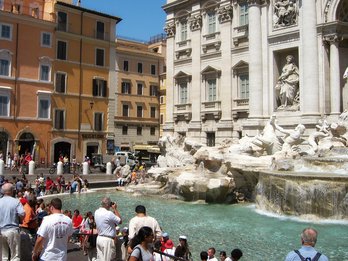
{"type": "Point", "coordinates": [307, 252]}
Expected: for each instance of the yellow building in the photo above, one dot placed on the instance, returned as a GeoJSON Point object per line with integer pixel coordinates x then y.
{"type": "Point", "coordinates": [27, 52]}
{"type": "Point", "coordinates": [139, 66]}
{"type": "Point", "coordinates": [83, 121]}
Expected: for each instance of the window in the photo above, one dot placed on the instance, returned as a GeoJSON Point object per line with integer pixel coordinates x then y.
{"type": "Point", "coordinates": [162, 100]}
{"type": "Point", "coordinates": [124, 130]}
{"type": "Point", "coordinates": [139, 111]}
{"type": "Point", "coordinates": [211, 22]}
{"type": "Point", "coordinates": [183, 30]}
{"type": "Point", "coordinates": [125, 110]}
{"type": "Point", "coordinates": [46, 39]}
{"type": "Point", "coordinates": [99, 87]}
{"type": "Point", "coordinates": [244, 86]}
{"type": "Point", "coordinates": [126, 88]}
{"type": "Point", "coordinates": [62, 21]}
{"type": "Point", "coordinates": [59, 119]}
{"type": "Point", "coordinates": [45, 71]}
{"type": "Point", "coordinates": [44, 107]}
{"type": "Point", "coordinates": [183, 93]}
{"type": "Point", "coordinates": [140, 89]}
{"type": "Point", "coordinates": [152, 131]}
{"type": "Point", "coordinates": [125, 66]}
{"type": "Point", "coordinates": [60, 82]}
{"type": "Point", "coordinates": [243, 14]}
{"type": "Point", "coordinates": [4, 104]}
{"type": "Point", "coordinates": [99, 57]}
{"type": "Point", "coordinates": [61, 50]}
{"type": "Point", "coordinates": [35, 12]}
{"type": "Point", "coordinates": [5, 31]}
{"type": "Point", "coordinates": [100, 30]}
{"type": "Point", "coordinates": [140, 68]}
{"type": "Point", "coordinates": [4, 67]}
{"type": "Point", "coordinates": [1, 4]}
{"type": "Point", "coordinates": [153, 69]}
{"type": "Point", "coordinates": [98, 121]}
{"type": "Point", "coordinates": [139, 130]}
{"type": "Point", "coordinates": [211, 89]}
{"type": "Point", "coordinates": [153, 90]}
{"type": "Point", "coordinates": [161, 119]}
{"type": "Point", "coordinates": [153, 112]}
{"type": "Point", "coordinates": [210, 139]}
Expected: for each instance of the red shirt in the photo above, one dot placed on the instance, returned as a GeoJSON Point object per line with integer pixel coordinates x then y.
{"type": "Point", "coordinates": [49, 184]}
{"type": "Point", "coordinates": [77, 220]}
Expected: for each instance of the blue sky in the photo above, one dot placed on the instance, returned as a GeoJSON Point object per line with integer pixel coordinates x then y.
{"type": "Point", "coordinates": [141, 19]}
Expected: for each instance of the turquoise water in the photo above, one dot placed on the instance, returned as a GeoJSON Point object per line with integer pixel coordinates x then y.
{"type": "Point", "coordinates": [224, 227]}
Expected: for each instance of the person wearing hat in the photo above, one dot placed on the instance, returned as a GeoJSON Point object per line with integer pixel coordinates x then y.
{"type": "Point", "coordinates": [165, 238]}
{"type": "Point", "coordinates": [182, 250]}
{"type": "Point", "coordinates": [169, 248]}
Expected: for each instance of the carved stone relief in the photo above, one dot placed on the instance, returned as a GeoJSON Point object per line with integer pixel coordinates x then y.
{"type": "Point", "coordinates": [225, 13]}
{"type": "Point", "coordinates": [195, 22]}
{"type": "Point", "coordinates": [170, 30]}
{"type": "Point", "coordinates": [285, 13]}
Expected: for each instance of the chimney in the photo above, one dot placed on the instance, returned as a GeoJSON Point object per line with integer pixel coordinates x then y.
{"type": "Point", "coordinates": [78, 3]}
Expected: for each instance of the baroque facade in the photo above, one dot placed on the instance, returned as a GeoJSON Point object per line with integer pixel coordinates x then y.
{"type": "Point", "coordinates": [231, 64]}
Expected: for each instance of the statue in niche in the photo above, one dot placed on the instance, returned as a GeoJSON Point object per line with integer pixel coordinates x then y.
{"type": "Point", "coordinates": [287, 91]}
{"type": "Point", "coordinates": [285, 13]}
{"type": "Point", "coordinates": [345, 90]}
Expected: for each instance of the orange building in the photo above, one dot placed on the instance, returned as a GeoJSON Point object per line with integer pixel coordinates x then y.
{"type": "Point", "coordinates": [83, 121]}
{"type": "Point", "coordinates": [27, 52]}
{"type": "Point", "coordinates": [57, 75]}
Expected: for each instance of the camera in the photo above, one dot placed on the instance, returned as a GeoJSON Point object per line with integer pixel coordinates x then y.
{"type": "Point", "coordinates": [112, 203]}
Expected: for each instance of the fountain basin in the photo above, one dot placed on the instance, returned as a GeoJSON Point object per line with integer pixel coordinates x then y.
{"type": "Point", "coordinates": [324, 195]}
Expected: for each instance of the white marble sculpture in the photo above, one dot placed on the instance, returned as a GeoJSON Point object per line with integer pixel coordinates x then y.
{"type": "Point", "coordinates": [285, 13]}
{"type": "Point", "coordinates": [287, 89]}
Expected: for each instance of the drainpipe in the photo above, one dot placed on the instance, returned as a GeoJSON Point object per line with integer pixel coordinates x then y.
{"type": "Point", "coordinates": [16, 76]}
{"type": "Point", "coordinates": [80, 85]}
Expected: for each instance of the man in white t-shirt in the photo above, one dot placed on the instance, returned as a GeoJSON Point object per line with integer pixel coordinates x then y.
{"type": "Point", "coordinates": [53, 234]}
{"type": "Point", "coordinates": [106, 222]}
{"type": "Point", "coordinates": [142, 220]}
{"type": "Point", "coordinates": [211, 254]}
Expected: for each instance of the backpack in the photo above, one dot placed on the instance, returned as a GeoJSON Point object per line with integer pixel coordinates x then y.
{"type": "Point", "coordinates": [315, 258]}
{"type": "Point", "coordinates": [140, 255]}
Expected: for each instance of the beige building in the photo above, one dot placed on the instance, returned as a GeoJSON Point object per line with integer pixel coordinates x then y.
{"type": "Point", "coordinates": [231, 64]}
{"type": "Point", "coordinates": [138, 67]}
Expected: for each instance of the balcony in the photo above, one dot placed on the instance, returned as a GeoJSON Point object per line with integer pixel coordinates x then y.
{"type": "Point", "coordinates": [241, 108]}
{"type": "Point", "coordinates": [240, 33]}
{"type": "Point", "coordinates": [183, 49]}
{"type": "Point", "coordinates": [211, 110]}
{"type": "Point", "coordinates": [182, 112]}
{"type": "Point", "coordinates": [211, 42]}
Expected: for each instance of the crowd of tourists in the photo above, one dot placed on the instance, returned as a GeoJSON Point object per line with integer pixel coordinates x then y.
{"type": "Point", "coordinates": [33, 229]}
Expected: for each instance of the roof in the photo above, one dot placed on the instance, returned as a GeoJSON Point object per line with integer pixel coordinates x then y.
{"type": "Point", "coordinates": [118, 19]}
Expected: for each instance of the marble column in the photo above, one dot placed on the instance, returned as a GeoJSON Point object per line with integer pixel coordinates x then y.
{"type": "Point", "coordinates": [255, 65]}
{"type": "Point", "coordinates": [168, 127]}
{"type": "Point", "coordinates": [335, 93]}
{"type": "Point", "coordinates": [309, 89]}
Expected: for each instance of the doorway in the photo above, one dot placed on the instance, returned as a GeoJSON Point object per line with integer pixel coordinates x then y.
{"type": "Point", "coordinates": [3, 143]}
{"type": "Point", "coordinates": [26, 143]}
{"type": "Point", "coordinates": [92, 149]}
{"type": "Point", "coordinates": [61, 148]}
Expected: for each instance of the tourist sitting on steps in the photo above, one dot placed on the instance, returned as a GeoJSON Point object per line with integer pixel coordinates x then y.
{"type": "Point", "coordinates": [307, 251]}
